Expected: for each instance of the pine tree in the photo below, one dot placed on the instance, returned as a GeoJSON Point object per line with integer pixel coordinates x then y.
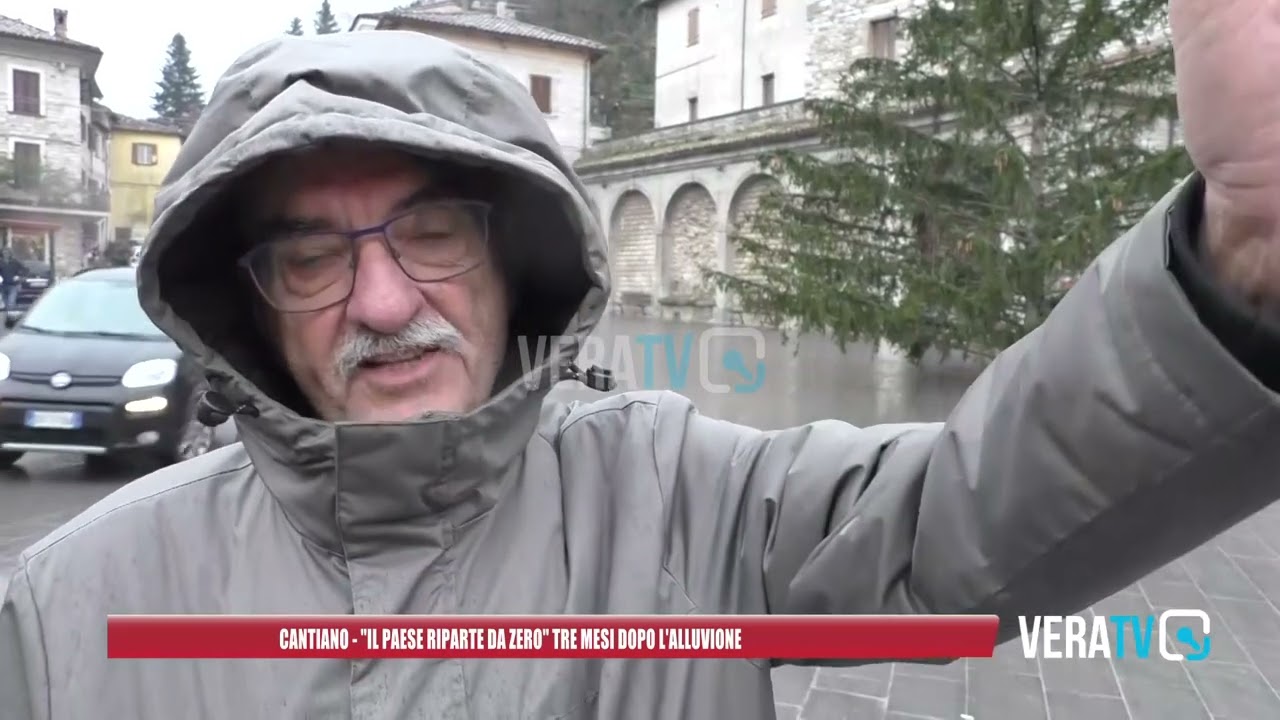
{"type": "Point", "coordinates": [326, 23]}
{"type": "Point", "coordinates": [1008, 145]}
{"type": "Point", "coordinates": [295, 27]}
{"type": "Point", "coordinates": [178, 97]}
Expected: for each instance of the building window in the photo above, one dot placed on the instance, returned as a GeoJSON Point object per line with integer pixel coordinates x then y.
{"type": "Point", "coordinates": [884, 38]}
{"type": "Point", "coordinates": [693, 109]}
{"type": "Point", "coordinates": [84, 130]}
{"type": "Point", "coordinates": [144, 154]}
{"type": "Point", "coordinates": [26, 92]}
{"type": "Point", "coordinates": [693, 27]}
{"type": "Point", "coordinates": [95, 141]}
{"type": "Point", "coordinates": [766, 89]}
{"type": "Point", "coordinates": [768, 7]}
{"type": "Point", "coordinates": [540, 87]}
{"type": "Point", "coordinates": [29, 246]}
{"type": "Point", "coordinates": [26, 165]}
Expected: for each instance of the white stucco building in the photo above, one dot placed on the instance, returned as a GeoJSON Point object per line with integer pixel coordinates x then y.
{"type": "Point", "coordinates": [555, 66]}
{"type": "Point", "coordinates": [730, 80]}
{"type": "Point", "coordinates": [54, 206]}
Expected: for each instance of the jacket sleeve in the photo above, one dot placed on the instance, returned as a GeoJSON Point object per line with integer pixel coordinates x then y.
{"type": "Point", "coordinates": [24, 687]}
{"type": "Point", "coordinates": [1115, 437]}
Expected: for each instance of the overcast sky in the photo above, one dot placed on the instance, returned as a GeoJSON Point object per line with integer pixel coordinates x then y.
{"type": "Point", "coordinates": [134, 35]}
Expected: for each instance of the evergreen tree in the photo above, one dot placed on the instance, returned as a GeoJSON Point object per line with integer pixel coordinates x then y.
{"type": "Point", "coordinates": [621, 80]}
{"type": "Point", "coordinates": [178, 97]}
{"type": "Point", "coordinates": [1001, 153]}
{"type": "Point", "coordinates": [295, 27]}
{"type": "Point", "coordinates": [326, 23]}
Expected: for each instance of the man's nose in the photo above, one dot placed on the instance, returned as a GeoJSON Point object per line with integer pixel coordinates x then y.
{"type": "Point", "coordinates": [383, 298]}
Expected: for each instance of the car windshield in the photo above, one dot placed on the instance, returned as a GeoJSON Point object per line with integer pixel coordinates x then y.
{"type": "Point", "coordinates": [88, 306]}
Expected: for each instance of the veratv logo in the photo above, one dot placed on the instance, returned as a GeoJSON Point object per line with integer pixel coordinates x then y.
{"type": "Point", "coordinates": [1072, 636]}
{"type": "Point", "coordinates": [720, 360]}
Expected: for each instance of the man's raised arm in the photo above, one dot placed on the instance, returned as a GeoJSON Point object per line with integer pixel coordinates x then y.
{"type": "Point", "coordinates": [1122, 433]}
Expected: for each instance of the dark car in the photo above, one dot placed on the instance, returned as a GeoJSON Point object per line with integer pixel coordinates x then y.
{"type": "Point", "coordinates": [85, 371]}
{"type": "Point", "coordinates": [34, 281]}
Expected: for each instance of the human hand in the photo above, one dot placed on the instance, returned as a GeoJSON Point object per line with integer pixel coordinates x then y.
{"type": "Point", "coordinates": [1229, 104]}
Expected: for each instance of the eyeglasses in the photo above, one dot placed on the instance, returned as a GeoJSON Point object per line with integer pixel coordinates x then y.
{"type": "Point", "coordinates": [307, 271]}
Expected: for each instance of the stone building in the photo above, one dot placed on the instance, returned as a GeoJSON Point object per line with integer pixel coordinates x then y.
{"type": "Point", "coordinates": [730, 81]}
{"type": "Point", "coordinates": [53, 139]}
{"type": "Point", "coordinates": [555, 66]}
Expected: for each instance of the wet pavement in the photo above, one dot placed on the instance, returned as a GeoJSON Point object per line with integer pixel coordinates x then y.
{"type": "Point", "coordinates": [1235, 578]}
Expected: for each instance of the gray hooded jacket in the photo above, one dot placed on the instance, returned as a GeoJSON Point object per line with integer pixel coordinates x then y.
{"type": "Point", "coordinates": [1114, 438]}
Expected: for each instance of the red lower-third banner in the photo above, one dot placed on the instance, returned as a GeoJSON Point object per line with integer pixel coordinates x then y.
{"type": "Point", "coordinates": [780, 637]}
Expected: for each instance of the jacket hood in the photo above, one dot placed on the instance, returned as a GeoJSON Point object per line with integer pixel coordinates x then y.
{"type": "Point", "coordinates": [427, 97]}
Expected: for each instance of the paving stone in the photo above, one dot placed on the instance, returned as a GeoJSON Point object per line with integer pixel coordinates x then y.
{"type": "Point", "coordinates": [1147, 670]}
{"type": "Point", "coordinates": [787, 712]}
{"type": "Point", "coordinates": [791, 684]}
{"type": "Point", "coordinates": [1253, 625]}
{"type": "Point", "coordinates": [828, 705]}
{"type": "Point", "coordinates": [930, 697]}
{"type": "Point", "coordinates": [1093, 676]}
{"type": "Point", "coordinates": [995, 695]}
{"type": "Point", "coordinates": [1235, 692]}
{"type": "Point", "coordinates": [1242, 542]}
{"type": "Point", "coordinates": [1153, 700]}
{"type": "Point", "coordinates": [1217, 576]}
{"type": "Point", "coordinates": [951, 671]}
{"type": "Point", "coordinates": [868, 680]}
{"type": "Point", "coordinates": [1095, 707]}
{"type": "Point", "coordinates": [1164, 593]}
{"type": "Point", "coordinates": [1264, 572]}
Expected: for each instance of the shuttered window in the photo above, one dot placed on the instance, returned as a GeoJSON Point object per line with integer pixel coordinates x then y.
{"type": "Point", "coordinates": [540, 87]}
{"type": "Point", "coordinates": [26, 92]}
{"type": "Point", "coordinates": [26, 164]}
{"type": "Point", "coordinates": [884, 38]}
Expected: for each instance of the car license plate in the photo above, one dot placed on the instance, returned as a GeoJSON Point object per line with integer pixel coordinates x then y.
{"type": "Point", "coordinates": [53, 420]}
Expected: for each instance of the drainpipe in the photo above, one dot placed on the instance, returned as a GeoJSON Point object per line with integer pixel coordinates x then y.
{"type": "Point", "coordinates": [742, 71]}
{"type": "Point", "coordinates": [586, 104]}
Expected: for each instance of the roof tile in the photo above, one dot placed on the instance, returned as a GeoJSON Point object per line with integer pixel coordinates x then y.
{"type": "Point", "coordinates": [12, 27]}
{"type": "Point", "coordinates": [498, 25]}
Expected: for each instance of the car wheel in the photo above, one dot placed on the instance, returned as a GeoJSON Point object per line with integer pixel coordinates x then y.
{"type": "Point", "coordinates": [8, 458]}
{"type": "Point", "coordinates": [193, 439]}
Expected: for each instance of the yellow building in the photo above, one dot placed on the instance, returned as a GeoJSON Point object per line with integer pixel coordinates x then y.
{"type": "Point", "coordinates": [141, 154]}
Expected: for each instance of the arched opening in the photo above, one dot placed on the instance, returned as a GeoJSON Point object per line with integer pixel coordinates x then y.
{"type": "Point", "coordinates": [742, 211]}
{"type": "Point", "coordinates": [689, 244]}
{"type": "Point", "coordinates": [632, 250]}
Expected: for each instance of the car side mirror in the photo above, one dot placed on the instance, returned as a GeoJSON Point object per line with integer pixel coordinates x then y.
{"type": "Point", "coordinates": [11, 320]}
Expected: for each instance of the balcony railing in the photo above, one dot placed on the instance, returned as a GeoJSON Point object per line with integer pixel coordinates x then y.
{"type": "Point", "coordinates": [54, 196]}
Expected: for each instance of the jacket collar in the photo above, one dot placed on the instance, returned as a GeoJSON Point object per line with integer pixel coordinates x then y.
{"type": "Point", "coordinates": [347, 485]}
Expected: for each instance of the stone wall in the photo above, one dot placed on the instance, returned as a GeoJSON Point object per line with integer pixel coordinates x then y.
{"type": "Point", "coordinates": [633, 244]}
{"type": "Point", "coordinates": [689, 244]}
{"type": "Point", "coordinates": [58, 130]}
{"type": "Point", "coordinates": [754, 128]}
{"type": "Point", "coordinates": [840, 33]}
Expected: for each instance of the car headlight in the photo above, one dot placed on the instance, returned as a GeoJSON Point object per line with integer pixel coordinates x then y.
{"type": "Point", "coordinates": [4, 366]}
{"type": "Point", "coordinates": [150, 373]}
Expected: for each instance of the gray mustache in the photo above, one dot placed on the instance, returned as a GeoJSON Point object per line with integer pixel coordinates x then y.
{"type": "Point", "coordinates": [421, 335]}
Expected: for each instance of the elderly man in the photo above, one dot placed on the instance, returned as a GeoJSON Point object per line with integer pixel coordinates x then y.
{"type": "Point", "coordinates": [354, 237]}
